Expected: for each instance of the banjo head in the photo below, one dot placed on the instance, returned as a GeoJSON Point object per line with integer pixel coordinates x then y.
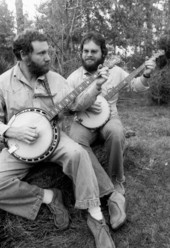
{"type": "Point", "coordinates": [92, 120]}
{"type": "Point", "coordinates": [43, 146]}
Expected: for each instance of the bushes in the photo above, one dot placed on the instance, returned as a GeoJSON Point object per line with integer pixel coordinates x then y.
{"type": "Point", "coordinates": [160, 85]}
{"type": "Point", "coordinates": [6, 59]}
{"type": "Point", "coordinates": [160, 81]}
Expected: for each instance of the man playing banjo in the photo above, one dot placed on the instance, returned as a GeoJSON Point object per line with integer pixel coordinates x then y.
{"type": "Point", "coordinates": [29, 91]}
{"type": "Point", "coordinates": [93, 52]}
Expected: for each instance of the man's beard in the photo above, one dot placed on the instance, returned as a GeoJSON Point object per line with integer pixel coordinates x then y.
{"type": "Point", "coordinates": [92, 67]}
{"type": "Point", "coordinates": [37, 70]}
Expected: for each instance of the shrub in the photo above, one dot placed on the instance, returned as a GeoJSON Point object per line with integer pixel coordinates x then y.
{"type": "Point", "coordinates": [160, 85]}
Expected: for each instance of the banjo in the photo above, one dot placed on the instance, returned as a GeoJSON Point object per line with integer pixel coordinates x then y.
{"type": "Point", "coordinates": [93, 120]}
{"type": "Point", "coordinates": [48, 130]}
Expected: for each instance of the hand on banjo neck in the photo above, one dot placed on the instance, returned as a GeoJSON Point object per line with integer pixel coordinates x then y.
{"type": "Point", "coordinates": [102, 73]}
{"type": "Point", "coordinates": [101, 76]}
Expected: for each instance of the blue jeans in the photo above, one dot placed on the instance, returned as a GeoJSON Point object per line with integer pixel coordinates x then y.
{"type": "Point", "coordinates": [23, 199]}
{"type": "Point", "coordinates": [113, 135]}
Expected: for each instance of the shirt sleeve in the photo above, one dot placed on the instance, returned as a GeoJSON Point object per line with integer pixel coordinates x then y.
{"type": "Point", "coordinates": [135, 84]}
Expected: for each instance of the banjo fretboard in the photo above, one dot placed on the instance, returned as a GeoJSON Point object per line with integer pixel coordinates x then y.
{"type": "Point", "coordinates": [124, 82]}
{"type": "Point", "coordinates": [113, 91]}
{"type": "Point", "coordinates": [73, 94]}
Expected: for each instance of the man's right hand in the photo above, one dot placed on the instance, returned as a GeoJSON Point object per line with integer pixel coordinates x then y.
{"type": "Point", "coordinates": [27, 134]}
{"type": "Point", "coordinates": [95, 108]}
{"type": "Point", "coordinates": [103, 74]}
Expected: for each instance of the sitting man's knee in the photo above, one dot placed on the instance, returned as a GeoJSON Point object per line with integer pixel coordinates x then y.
{"type": "Point", "coordinates": [117, 133]}
{"type": "Point", "coordinates": [76, 151]}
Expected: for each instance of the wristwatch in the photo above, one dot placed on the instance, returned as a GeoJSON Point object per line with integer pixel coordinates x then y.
{"type": "Point", "coordinates": [146, 76]}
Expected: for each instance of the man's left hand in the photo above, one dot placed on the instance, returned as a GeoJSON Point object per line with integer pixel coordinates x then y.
{"type": "Point", "coordinates": [149, 67]}
{"type": "Point", "coordinates": [103, 73]}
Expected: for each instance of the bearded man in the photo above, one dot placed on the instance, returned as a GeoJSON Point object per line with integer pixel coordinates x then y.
{"type": "Point", "coordinates": [93, 52]}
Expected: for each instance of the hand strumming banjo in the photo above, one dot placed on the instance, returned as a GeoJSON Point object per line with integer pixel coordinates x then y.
{"type": "Point", "coordinates": [92, 120]}
{"type": "Point", "coordinates": [46, 126]}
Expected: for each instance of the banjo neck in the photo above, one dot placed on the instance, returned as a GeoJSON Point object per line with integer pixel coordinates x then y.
{"type": "Point", "coordinates": [124, 82]}
{"type": "Point", "coordinates": [113, 91]}
{"type": "Point", "coordinates": [66, 101]}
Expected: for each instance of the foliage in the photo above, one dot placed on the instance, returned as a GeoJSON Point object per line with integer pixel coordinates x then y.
{"type": "Point", "coordinates": [164, 44]}
{"type": "Point", "coordinates": [160, 81]}
{"type": "Point", "coordinates": [6, 25]}
{"type": "Point", "coordinates": [22, 19]}
{"type": "Point", "coordinates": [125, 24]}
{"type": "Point", "coordinates": [160, 85]}
{"type": "Point", "coordinates": [6, 37]}
{"type": "Point", "coordinates": [4, 65]}
{"type": "Point", "coordinates": [19, 15]}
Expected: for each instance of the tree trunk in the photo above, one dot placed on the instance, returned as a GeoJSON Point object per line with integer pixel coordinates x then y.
{"type": "Point", "coordinates": [19, 15]}
{"type": "Point", "coordinates": [149, 12]}
{"type": "Point", "coordinates": [168, 23]}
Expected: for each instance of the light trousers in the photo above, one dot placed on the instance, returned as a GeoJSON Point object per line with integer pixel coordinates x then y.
{"type": "Point", "coordinates": [114, 141]}
{"type": "Point", "coordinates": [23, 199]}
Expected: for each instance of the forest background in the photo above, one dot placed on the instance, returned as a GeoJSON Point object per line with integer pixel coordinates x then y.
{"type": "Point", "coordinates": [133, 30]}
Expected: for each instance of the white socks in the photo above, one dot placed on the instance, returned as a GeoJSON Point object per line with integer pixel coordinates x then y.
{"type": "Point", "coordinates": [96, 213]}
{"type": "Point", "coordinates": [48, 196]}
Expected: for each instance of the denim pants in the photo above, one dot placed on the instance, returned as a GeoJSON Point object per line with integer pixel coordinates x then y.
{"type": "Point", "coordinates": [113, 135]}
{"type": "Point", "coordinates": [23, 199]}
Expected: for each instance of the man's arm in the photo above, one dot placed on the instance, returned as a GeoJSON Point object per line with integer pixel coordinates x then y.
{"type": "Point", "coordinates": [140, 84]}
{"type": "Point", "coordinates": [3, 126]}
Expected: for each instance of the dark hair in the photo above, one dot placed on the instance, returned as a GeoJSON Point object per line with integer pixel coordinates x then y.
{"type": "Point", "coordinates": [98, 39]}
{"type": "Point", "coordinates": [22, 42]}
{"type": "Point", "coordinates": [164, 44]}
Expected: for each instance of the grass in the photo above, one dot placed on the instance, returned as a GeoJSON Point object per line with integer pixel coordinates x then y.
{"type": "Point", "coordinates": [147, 170]}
